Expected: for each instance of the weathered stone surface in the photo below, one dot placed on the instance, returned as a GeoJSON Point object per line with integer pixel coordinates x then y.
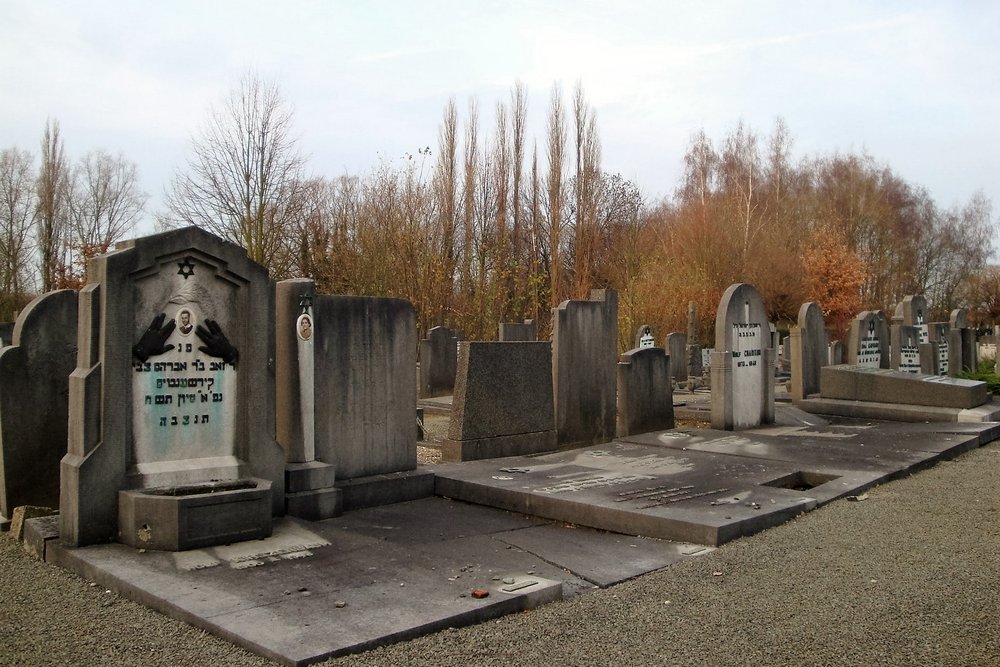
{"type": "Point", "coordinates": [34, 408]}
{"type": "Point", "coordinates": [365, 384]}
{"type": "Point", "coordinates": [645, 392]}
{"type": "Point", "coordinates": [857, 383]}
{"type": "Point", "coordinates": [21, 513]}
{"type": "Point", "coordinates": [964, 352]}
{"type": "Point", "coordinates": [438, 362]}
{"type": "Point", "coordinates": [743, 361]}
{"type": "Point", "coordinates": [172, 384]}
{"type": "Point", "coordinates": [677, 349]}
{"type": "Point", "coordinates": [503, 401]}
{"type": "Point", "coordinates": [809, 351]}
{"type": "Point", "coordinates": [514, 332]}
{"type": "Point", "coordinates": [584, 353]}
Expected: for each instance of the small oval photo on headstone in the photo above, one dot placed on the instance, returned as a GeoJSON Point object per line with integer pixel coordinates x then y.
{"type": "Point", "coordinates": [303, 325]}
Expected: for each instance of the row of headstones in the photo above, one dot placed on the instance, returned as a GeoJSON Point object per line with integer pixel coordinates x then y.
{"type": "Point", "coordinates": [523, 396]}
{"type": "Point", "coordinates": [159, 381]}
{"type": "Point", "coordinates": [909, 344]}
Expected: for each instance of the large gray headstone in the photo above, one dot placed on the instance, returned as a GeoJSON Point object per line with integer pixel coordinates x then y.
{"type": "Point", "coordinates": [743, 361]}
{"type": "Point", "coordinates": [503, 401]}
{"type": "Point", "coordinates": [584, 354]}
{"type": "Point", "coordinates": [809, 351]}
{"type": "Point", "coordinates": [645, 392]}
{"type": "Point", "coordinates": [438, 362]}
{"type": "Point", "coordinates": [172, 387]}
{"type": "Point", "coordinates": [365, 384]}
{"type": "Point", "coordinates": [34, 381]}
{"type": "Point", "coordinates": [868, 341]}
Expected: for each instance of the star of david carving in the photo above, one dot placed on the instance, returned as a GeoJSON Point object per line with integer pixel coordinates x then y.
{"type": "Point", "coordinates": [186, 268]}
{"type": "Point", "coordinates": [305, 302]}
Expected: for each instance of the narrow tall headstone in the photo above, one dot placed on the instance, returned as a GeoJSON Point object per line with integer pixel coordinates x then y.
{"type": "Point", "coordinates": [677, 349]}
{"type": "Point", "coordinates": [743, 362]}
{"type": "Point", "coordinates": [939, 362]}
{"type": "Point", "coordinates": [964, 355]}
{"type": "Point", "coordinates": [584, 354]}
{"type": "Point", "coordinates": [438, 362]}
{"type": "Point", "coordinates": [809, 351]}
{"type": "Point", "coordinates": [693, 357]}
{"type": "Point", "coordinates": [309, 481]}
{"type": "Point", "coordinates": [645, 392]}
{"type": "Point", "coordinates": [904, 348]}
{"type": "Point", "coordinates": [34, 382]}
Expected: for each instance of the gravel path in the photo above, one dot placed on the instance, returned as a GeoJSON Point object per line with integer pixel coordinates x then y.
{"type": "Point", "coordinates": [910, 576]}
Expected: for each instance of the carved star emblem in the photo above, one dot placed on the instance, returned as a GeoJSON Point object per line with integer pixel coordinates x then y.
{"type": "Point", "coordinates": [305, 302]}
{"type": "Point", "coordinates": [186, 268]}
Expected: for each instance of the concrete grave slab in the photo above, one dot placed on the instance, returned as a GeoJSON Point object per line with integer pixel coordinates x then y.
{"type": "Point", "coordinates": [368, 578]}
{"type": "Point", "coordinates": [636, 489]}
{"type": "Point", "coordinates": [602, 558]}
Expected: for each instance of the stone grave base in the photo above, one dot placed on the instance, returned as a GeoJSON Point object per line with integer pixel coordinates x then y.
{"type": "Point", "coordinates": [367, 578]}
{"type": "Point", "coordinates": [987, 412]}
{"type": "Point", "coordinates": [177, 518]}
{"type": "Point", "coordinates": [706, 486]}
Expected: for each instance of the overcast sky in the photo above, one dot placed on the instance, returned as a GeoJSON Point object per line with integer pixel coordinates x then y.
{"type": "Point", "coordinates": [913, 83]}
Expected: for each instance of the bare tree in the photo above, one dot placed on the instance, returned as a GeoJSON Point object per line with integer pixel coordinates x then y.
{"type": "Point", "coordinates": [17, 214]}
{"type": "Point", "coordinates": [105, 202]}
{"type": "Point", "coordinates": [556, 154]}
{"type": "Point", "coordinates": [244, 175]}
{"type": "Point", "coordinates": [52, 209]}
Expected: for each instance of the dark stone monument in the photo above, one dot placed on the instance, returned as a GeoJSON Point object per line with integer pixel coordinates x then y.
{"type": "Point", "coordinates": [503, 401]}
{"type": "Point", "coordinates": [645, 392]}
{"type": "Point", "coordinates": [964, 355]}
{"type": "Point", "coordinates": [511, 332]}
{"type": "Point", "coordinates": [743, 362]}
{"type": "Point", "coordinates": [677, 348]}
{"type": "Point", "coordinates": [693, 357]}
{"type": "Point", "coordinates": [584, 354]}
{"type": "Point", "coordinates": [34, 382]}
{"type": "Point", "coordinates": [171, 405]}
{"type": "Point", "coordinates": [438, 362]}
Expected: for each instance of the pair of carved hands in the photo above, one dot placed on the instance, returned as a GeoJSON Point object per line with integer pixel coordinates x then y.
{"type": "Point", "coordinates": [154, 340]}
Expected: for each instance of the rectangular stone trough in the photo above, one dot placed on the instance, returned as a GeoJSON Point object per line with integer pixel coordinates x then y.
{"type": "Point", "coordinates": [194, 516]}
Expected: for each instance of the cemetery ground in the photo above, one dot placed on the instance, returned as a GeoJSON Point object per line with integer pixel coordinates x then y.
{"type": "Point", "coordinates": [904, 575]}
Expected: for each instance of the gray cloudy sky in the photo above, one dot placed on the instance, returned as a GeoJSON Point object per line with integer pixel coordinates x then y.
{"type": "Point", "coordinates": [913, 83]}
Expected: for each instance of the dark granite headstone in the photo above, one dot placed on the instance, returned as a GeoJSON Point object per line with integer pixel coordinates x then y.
{"type": "Point", "coordinates": [503, 401]}
{"type": "Point", "coordinates": [645, 392]}
{"type": "Point", "coordinates": [34, 381]}
{"type": "Point", "coordinates": [584, 353]}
